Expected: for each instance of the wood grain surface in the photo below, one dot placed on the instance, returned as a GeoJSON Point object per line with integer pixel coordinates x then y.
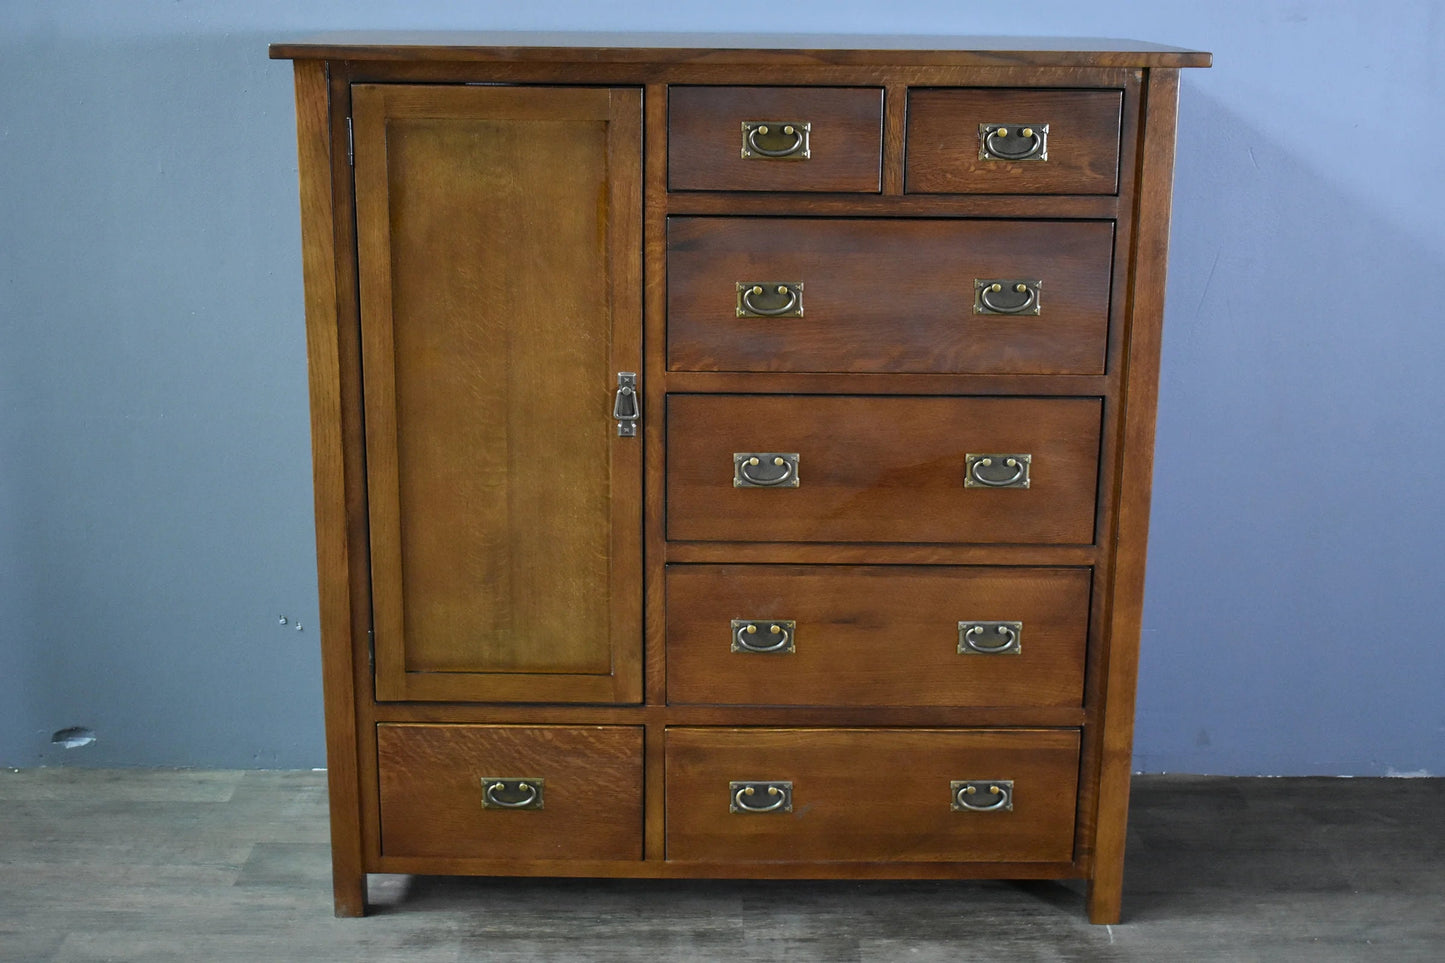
{"type": "Point", "coordinates": [431, 791]}
{"type": "Point", "coordinates": [876, 635]}
{"type": "Point", "coordinates": [871, 794]}
{"type": "Point", "coordinates": [704, 138]}
{"type": "Point", "coordinates": [943, 145]}
{"type": "Point", "coordinates": [881, 469]}
{"type": "Point", "coordinates": [490, 358]}
{"type": "Point", "coordinates": [597, 49]}
{"type": "Point", "coordinates": [888, 295]}
{"type": "Point", "coordinates": [1134, 484]}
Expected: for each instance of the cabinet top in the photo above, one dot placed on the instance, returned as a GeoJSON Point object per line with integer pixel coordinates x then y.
{"type": "Point", "coordinates": [715, 48]}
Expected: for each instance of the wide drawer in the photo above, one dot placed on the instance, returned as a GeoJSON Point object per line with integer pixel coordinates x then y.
{"type": "Point", "coordinates": [888, 295]}
{"type": "Point", "coordinates": [876, 635]}
{"type": "Point", "coordinates": [881, 795]}
{"type": "Point", "coordinates": [880, 469]}
{"type": "Point", "coordinates": [1072, 142]}
{"type": "Point", "coordinates": [826, 139]}
{"type": "Point", "coordinates": [510, 792]}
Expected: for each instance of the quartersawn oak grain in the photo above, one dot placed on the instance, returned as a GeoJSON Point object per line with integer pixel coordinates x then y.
{"type": "Point", "coordinates": [491, 346]}
{"type": "Point", "coordinates": [888, 295]}
{"type": "Point", "coordinates": [874, 794]}
{"type": "Point", "coordinates": [704, 138]}
{"type": "Point", "coordinates": [943, 146]}
{"type": "Point", "coordinates": [431, 791]}
{"type": "Point", "coordinates": [878, 469]}
{"type": "Point", "coordinates": [876, 635]}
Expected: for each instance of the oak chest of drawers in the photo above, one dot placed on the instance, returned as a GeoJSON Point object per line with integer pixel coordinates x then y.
{"type": "Point", "coordinates": [732, 462]}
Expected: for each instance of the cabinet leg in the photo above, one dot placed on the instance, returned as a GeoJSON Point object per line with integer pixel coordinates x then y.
{"type": "Point", "coordinates": [1106, 898]}
{"type": "Point", "coordinates": [349, 891]}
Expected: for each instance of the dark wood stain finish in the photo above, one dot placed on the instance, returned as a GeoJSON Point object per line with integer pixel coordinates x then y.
{"type": "Point", "coordinates": [490, 347]}
{"type": "Point", "coordinates": [943, 145]}
{"type": "Point", "coordinates": [704, 138]}
{"type": "Point", "coordinates": [888, 296]}
{"type": "Point", "coordinates": [532, 211]}
{"type": "Point", "coordinates": [871, 794]}
{"type": "Point", "coordinates": [432, 781]}
{"type": "Point", "coordinates": [881, 469]}
{"type": "Point", "coordinates": [876, 635]}
{"type": "Point", "coordinates": [578, 50]}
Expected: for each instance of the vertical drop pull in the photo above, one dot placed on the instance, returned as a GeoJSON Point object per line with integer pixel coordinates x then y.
{"type": "Point", "coordinates": [625, 408]}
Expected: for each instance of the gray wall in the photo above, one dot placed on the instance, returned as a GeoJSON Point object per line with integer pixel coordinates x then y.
{"type": "Point", "coordinates": [154, 459]}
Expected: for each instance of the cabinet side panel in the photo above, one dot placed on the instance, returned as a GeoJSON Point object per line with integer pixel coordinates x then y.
{"type": "Point", "coordinates": [318, 254]}
{"type": "Point", "coordinates": [1134, 479]}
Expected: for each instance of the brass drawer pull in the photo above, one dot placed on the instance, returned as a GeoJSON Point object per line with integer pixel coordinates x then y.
{"type": "Point", "coordinates": [774, 796]}
{"type": "Point", "coordinates": [624, 406]}
{"type": "Point", "coordinates": [1023, 296]}
{"type": "Point", "coordinates": [790, 139]}
{"type": "Point", "coordinates": [754, 295]}
{"type": "Point", "coordinates": [990, 638]}
{"type": "Point", "coordinates": [996, 471]}
{"type": "Point", "coordinates": [982, 795]}
{"type": "Point", "coordinates": [782, 471]}
{"type": "Point", "coordinates": [1013, 142]}
{"type": "Point", "coordinates": [507, 792]}
{"type": "Point", "coordinates": [781, 631]}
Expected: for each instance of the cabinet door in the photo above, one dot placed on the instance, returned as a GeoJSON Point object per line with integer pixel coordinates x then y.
{"type": "Point", "coordinates": [499, 246]}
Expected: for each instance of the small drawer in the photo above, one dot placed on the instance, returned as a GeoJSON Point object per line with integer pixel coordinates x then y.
{"type": "Point", "coordinates": [961, 141]}
{"type": "Point", "coordinates": [844, 468]}
{"type": "Point", "coordinates": [510, 792]}
{"type": "Point", "coordinates": [880, 795]}
{"type": "Point", "coordinates": [876, 635]}
{"type": "Point", "coordinates": [816, 139]}
{"type": "Point", "coordinates": [888, 295]}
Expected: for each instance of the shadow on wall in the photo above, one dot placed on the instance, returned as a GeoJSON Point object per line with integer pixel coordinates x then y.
{"type": "Point", "coordinates": [1290, 623]}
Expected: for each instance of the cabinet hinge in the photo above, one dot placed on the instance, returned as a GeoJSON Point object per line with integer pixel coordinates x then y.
{"type": "Point", "coordinates": [350, 145]}
{"type": "Point", "coordinates": [371, 649]}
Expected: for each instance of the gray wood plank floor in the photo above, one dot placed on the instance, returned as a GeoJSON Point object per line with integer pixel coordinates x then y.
{"type": "Point", "coordinates": [162, 866]}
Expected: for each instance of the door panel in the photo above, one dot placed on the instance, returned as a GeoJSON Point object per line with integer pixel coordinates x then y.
{"type": "Point", "coordinates": [498, 302]}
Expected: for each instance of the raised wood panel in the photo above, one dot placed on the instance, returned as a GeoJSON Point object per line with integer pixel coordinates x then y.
{"type": "Point", "coordinates": [431, 785]}
{"type": "Point", "coordinates": [878, 469]}
{"type": "Point", "coordinates": [875, 635]}
{"type": "Point", "coordinates": [704, 151]}
{"type": "Point", "coordinates": [874, 794]}
{"type": "Point", "coordinates": [498, 301]}
{"type": "Point", "coordinates": [888, 295]}
{"type": "Point", "coordinates": [943, 145]}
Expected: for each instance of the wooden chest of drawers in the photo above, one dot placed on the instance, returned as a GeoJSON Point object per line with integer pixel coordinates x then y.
{"type": "Point", "coordinates": [732, 462]}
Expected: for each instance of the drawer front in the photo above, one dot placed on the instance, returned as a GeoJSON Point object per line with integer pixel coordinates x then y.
{"type": "Point", "coordinates": [874, 469]}
{"type": "Point", "coordinates": [706, 139]}
{"type": "Point", "coordinates": [945, 141]}
{"type": "Point", "coordinates": [472, 791]}
{"type": "Point", "coordinates": [882, 795]}
{"type": "Point", "coordinates": [876, 635]}
{"type": "Point", "coordinates": [888, 295]}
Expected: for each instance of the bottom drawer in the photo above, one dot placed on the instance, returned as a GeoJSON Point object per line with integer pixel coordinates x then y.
{"type": "Point", "coordinates": [881, 795]}
{"type": "Point", "coordinates": [510, 792]}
